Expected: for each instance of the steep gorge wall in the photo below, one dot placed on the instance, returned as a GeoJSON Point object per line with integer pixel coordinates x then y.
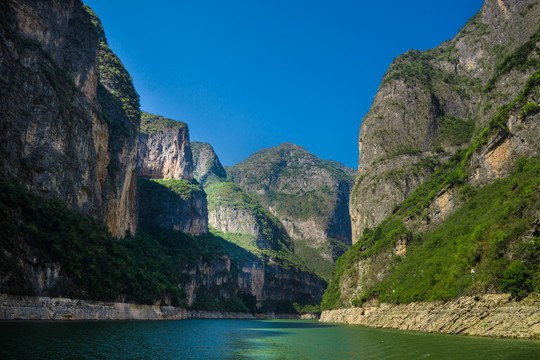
{"type": "Point", "coordinates": [164, 153]}
{"type": "Point", "coordinates": [431, 103]}
{"type": "Point", "coordinates": [58, 113]}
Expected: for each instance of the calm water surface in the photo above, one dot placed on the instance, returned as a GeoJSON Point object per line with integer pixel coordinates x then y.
{"type": "Point", "coordinates": [242, 339]}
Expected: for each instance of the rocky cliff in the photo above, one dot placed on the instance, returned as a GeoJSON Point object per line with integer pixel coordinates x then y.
{"type": "Point", "coordinates": [439, 206]}
{"type": "Point", "coordinates": [431, 104]}
{"type": "Point", "coordinates": [171, 197]}
{"type": "Point", "coordinates": [270, 270]}
{"type": "Point", "coordinates": [164, 149]}
{"type": "Point", "coordinates": [64, 130]}
{"type": "Point", "coordinates": [70, 121]}
{"type": "Point", "coordinates": [206, 162]}
{"type": "Point", "coordinates": [308, 195]}
{"type": "Point", "coordinates": [174, 204]}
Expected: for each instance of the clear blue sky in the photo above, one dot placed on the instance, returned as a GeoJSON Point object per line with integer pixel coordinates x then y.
{"type": "Point", "coordinates": [251, 74]}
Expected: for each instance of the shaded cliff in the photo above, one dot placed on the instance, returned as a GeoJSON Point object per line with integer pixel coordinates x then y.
{"type": "Point", "coordinates": [70, 118]}
{"type": "Point", "coordinates": [308, 195]}
{"type": "Point", "coordinates": [206, 162]}
{"type": "Point", "coordinates": [174, 204]}
{"type": "Point", "coordinates": [445, 202]}
{"type": "Point", "coordinates": [173, 198]}
{"type": "Point", "coordinates": [69, 112]}
{"type": "Point", "coordinates": [271, 272]}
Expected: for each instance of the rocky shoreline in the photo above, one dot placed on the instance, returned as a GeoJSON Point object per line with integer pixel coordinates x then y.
{"type": "Point", "coordinates": [47, 308]}
{"type": "Point", "coordinates": [494, 315]}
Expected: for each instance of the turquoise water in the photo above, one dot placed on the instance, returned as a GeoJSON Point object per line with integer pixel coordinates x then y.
{"type": "Point", "coordinates": [242, 339]}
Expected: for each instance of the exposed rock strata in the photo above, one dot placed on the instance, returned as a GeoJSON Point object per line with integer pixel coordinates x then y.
{"type": "Point", "coordinates": [55, 138]}
{"type": "Point", "coordinates": [486, 315]}
{"type": "Point", "coordinates": [47, 308]}
{"type": "Point", "coordinates": [164, 149]}
{"type": "Point", "coordinates": [164, 153]}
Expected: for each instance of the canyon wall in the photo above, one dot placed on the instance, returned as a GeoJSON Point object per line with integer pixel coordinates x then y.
{"type": "Point", "coordinates": [64, 133]}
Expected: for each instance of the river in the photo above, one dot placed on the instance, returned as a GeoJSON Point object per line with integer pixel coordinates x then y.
{"type": "Point", "coordinates": [242, 339]}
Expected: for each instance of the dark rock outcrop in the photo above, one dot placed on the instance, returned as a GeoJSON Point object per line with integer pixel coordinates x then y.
{"type": "Point", "coordinates": [64, 133]}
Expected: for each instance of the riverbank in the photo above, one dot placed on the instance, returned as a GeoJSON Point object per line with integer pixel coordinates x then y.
{"type": "Point", "coordinates": [495, 315]}
{"type": "Point", "coordinates": [47, 308]}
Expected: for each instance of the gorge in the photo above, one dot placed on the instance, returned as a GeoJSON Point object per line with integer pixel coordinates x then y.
{"type": "Point", "coordinates": [111, 212]}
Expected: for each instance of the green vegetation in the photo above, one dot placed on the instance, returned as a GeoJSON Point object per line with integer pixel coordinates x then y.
{"type": "Point", "coordinates": [404, 150]}
{"type": "Point", "coordinates": [116, 93]}
{"type": "Point", "coordinates": [182, 187]}
{"type": "Point", "coordinates": [314, 204]}
{"type": "Point", "coordinates": [516, 279]}
{"type": "Point", "coordinates": [229, 195]}
{"type": "Point", "coordinates": [307, 309]}
{"type": "Point", "coordinates": [480, 234]}
{"type": "Point", "coordinates": [520, 59]}
{"type": "Point", "coordinates": [528, 110]}
{"type": "Point", "coordinates": [413, 65]}
{"type": "Point", "coordinates": [313, 257]}
{"type": "Point", "coordinates": [151, 123]}
{"type": "Point", "coordinates": [455, 131]}
{"type": "Point", "coordinates": [94, 265]}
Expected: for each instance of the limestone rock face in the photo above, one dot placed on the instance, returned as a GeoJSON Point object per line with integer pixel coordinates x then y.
{"type": "Point", "coordinates": [164, 154]}
{"type": "Point", "coordinates": [59, 119]}
{"type": "Point", "coordinates": [430, 103]}
{"type": "Point", "coordinates": [206, 162]}
{"type": "Point", "coordinates": [267, 283]}
{"type": "Point", "coordinates": [494, 315]}
{"type": "Point", "coordinates": [164, 149]}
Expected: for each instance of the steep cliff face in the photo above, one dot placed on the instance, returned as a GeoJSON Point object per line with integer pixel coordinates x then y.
{"type": "Point", "coordinates": [174, 204]}
{"type": "Point", "coordinates": [59, 117]}
{"type": "Point", "coordinates": [268, 269]}
{"type": "Point", "coordinates": [308, 195]}
{"type": "Point", "coordinates": [164, 149]}
{"type": "Point", "coordinates": [206, 162]}
{"type": "Point", "coordinates": [431, 103]}
{"type": "Point", "coordinates": [446, 153]}
{"type": "Point", "coordinates": [173, 198]}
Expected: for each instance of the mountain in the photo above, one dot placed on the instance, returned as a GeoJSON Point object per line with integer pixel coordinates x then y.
{"type": "Point", "coordinates": [98, 199]}
{"type": "Point", "coordinates": [308, 195]}
{"type": "Point", "coordinates": [445, 201]}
